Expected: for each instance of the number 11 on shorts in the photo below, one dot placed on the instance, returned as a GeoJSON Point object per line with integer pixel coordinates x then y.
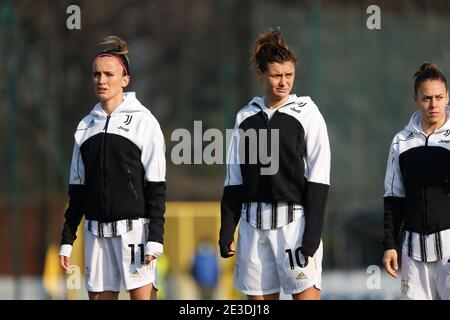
{"type": "Point", "coordinates": [141, 246]}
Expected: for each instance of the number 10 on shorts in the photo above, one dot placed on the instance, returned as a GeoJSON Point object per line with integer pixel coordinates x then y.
{"type": "Point", "coordinates": [297, 254]}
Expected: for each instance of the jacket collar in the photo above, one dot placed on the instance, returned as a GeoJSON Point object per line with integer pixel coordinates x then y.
{"type": "Point", "coordinates": [259, 101]}
{"type": "Point", "coordinates": [414, 125]}
{"type": "Point", "coordinates": [129, 104]}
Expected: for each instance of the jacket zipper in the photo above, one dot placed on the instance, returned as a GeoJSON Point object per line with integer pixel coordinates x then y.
{"type": "Point", "coordinates": [424, 192]}
{"type": "Point", "coordinates": [267, 122]}
{"type": "Point", "coordinates": [105, 129]}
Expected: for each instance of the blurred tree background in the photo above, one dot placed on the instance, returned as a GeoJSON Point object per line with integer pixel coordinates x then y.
{"type": "Point", "coordinates": [190, 61]}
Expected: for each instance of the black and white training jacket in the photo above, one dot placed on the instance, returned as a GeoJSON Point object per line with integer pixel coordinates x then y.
{"type": "Point", "coordinates": [118, 171]}
{"type": "Point", "coordinates": [417, 191]}
{"type": "Point", "coordinates": [303, 176]}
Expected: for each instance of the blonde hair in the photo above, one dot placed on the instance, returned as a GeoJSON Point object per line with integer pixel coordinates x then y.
{"type": "Point", "coordinates": [116, 46]}
{"type": "Point", "coordinates": [120, 44]}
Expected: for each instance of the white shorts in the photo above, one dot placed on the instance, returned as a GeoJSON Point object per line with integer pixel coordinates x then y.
{"type": "Point", "coordinates": [268, 260]}
{"type": "Point", "coordinates": [107, 260]}
{"type": "Point", "coordinates": [425, 280]}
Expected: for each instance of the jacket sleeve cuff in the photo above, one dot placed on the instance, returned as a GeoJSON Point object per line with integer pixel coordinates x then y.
{"type": "Point", "coordinates": [309, 248]}
{"type": "Point", "coordinates": [65, 250]}
{"type": "Point", "coordinates": [153, 248]}
{"type": "Point", "coordinates": [389, 243]}
{"type": "Point", "coordinates": [314, 206]}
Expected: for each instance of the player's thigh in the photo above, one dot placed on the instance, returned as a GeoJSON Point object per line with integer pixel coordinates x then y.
{"type": "Point", "coordinates": [443, 279]}
{"type": "Point", "coordinates": [297, 272]}
{"type": "Point", "coordinates": [417, 282]}
{"type": "Point", "coordinates": [274, 296]}
{"type": "Point", "coordinates": [130, 254]}
{"type": "Point", "coordinates": [100, 267]}
{"type": "Point", "coordinates": [255, 271]}
{"type": "Point", "coordinates": [147, 292]}
{"type": "Point", "coordinates": [106, 295]}
{"type": "Point", "coordinates": [311, 293]}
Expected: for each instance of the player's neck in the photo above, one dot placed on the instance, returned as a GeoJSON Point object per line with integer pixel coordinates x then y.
{"type": "Point", "coordinates": [274, 103]}
{"type": "Point", "coordinates": [110, 105]}
{"type": "Point", "coordinates": [429, 128]}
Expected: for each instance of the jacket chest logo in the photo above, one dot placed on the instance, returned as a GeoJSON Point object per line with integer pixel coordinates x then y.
{"type": "Point", "coordinates": [446, 135]}
{"type": "Point", "coordinates": [123, 128]}
{"type": "Point", "coordinates": [296, 110]}
{"type": "Point", "coordinates": [299, 105]}
{"type": "Point", "coordinates": [91, 124]}
{"type": "Point", "coordinates": [128, 120]}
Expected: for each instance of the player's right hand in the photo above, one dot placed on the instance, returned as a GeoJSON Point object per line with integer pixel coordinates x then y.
{"type": "Point", "coordinates": [228, 252]}
{"type": "Point", "coordinates": [232, 251]}
{"type": "Point", "coordinates": [65, 262]}
{"type": "Point", "coordinates": [390, 262]}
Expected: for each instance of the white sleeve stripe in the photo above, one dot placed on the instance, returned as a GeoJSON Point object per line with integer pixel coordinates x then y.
{"type": "Point", "coordinates": [234, 175]}
{"type": "Point", "coordinates": [76, 167]}
{"type": "Point", "coordinates": [153, 149]}
{"type": "Point", "coordinates": [318, 155]}
{"type": "Point", "coordinates": [393, 179]}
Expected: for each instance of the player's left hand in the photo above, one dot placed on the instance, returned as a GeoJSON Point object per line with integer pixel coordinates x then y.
{"type": "Point", "coordinates": [149, 259]}
{"type": "Point", "coordinates": [390, 262]}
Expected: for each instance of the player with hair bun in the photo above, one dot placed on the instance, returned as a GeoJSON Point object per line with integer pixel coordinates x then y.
{"type": "Point", "coordinates": [117, 182]}
{"type": "Point", "coordinates": [281, 214]}
{"type": "Point", "coordinates": [417, 193]}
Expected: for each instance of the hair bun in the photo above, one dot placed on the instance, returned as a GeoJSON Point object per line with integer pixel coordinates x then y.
{"type": "Point", "coordinates": [116, 44]}
{"type": "Point", "coordinates": [427, 65]}
{"type": "Point", "coordinates": [271, 47]}
{"type": "Point", "coordinates": [428, 71]}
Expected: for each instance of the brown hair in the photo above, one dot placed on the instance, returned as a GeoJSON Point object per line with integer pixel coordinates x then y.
{"type": "Point", "coordinates": [116, 46]}
{"type": "Point", "coordinates": [428, 71]}
{"type": "Point", "coordinates": [271, 47]}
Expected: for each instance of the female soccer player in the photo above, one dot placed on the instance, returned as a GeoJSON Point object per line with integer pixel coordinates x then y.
{"type": "Point", "coordinates": [117, 181]}
{"type": "Point", "coordinates": [417, 185]}
{"type": "Point", "coordinates": [280, 204]}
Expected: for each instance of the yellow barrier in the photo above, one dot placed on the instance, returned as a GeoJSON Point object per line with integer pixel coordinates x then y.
{"type": "Point", "coordinates": [188, 224]}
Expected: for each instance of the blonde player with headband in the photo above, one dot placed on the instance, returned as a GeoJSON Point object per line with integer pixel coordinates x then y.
{"type": "Point", "coordinates": [117, 181]}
